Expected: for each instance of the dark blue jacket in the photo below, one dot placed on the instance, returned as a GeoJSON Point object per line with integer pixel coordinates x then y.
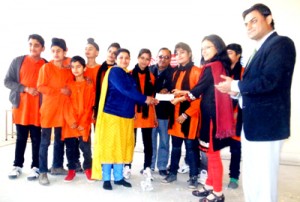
{"type": "Point", "coordinates": [122, 94]}
{"type": "Point", "coordinates": [266, 90]}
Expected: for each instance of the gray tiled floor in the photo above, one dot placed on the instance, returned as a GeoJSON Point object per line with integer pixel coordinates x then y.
{"type": "Point", "coordinates": [81, 190]}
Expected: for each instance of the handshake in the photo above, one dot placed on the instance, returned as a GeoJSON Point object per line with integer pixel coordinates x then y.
{"type": "Point", "coordinates": [151, 101]}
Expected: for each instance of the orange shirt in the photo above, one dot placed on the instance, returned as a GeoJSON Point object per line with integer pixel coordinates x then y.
{"type": "Point", "coordinates": [78, 109]}
{"type": "Point", "coordinates": [28, 111]}
{"type": "Point", "coordinates": [91, 72]}
{"type": "Point", "coordinates": [51, 80]}
{"type": "Point", "coordinates": [139, 121]}
{"type": "Point", "coordinates": [193, 111]}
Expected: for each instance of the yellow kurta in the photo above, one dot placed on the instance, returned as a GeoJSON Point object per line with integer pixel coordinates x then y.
{"type": "Point", "coordinates": [114, 138]}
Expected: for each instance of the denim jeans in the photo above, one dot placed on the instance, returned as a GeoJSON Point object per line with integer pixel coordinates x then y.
{"type": "Point", "coordinates": [191, 153]}
{"type": "Point", "coordinates": [85, 147]}
{"type": "Point", "coordinates": [162, 152]}
{"type": "Point", "coordinates": [71, 146]}
{"type": "Point", "coordinates": [235, 150]}
{"type": "Point", "coordinates": [117, 169]}
{"type": "Point", "coordinates": [74, 154]}
{"type": "Point", "coordinates": [21, 142]}
{"type": "Point", "coordinates": [58, 149]}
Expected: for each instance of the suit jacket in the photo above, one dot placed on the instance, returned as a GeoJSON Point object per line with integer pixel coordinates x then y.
{"type": "Point", "coordinates": [266, 90]}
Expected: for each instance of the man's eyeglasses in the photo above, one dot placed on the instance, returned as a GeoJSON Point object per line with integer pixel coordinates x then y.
{"type": "Point", "coordinates": [164, 57]}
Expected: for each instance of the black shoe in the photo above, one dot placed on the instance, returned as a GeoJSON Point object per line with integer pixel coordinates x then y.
{"type": "Point", "coordinates": [123, 182]}
{"type": "Point", "coordinates": [170, 178]}
{"type": "Point", "coordinates": [107, 185]}
{"type": "Point", "coordinates": [163, 173]}
{"type": "Point", "coordinates": [202, 193]}
{"type": "Point", "coordinates": [215, 199]}
{"type": "Point", "coordinates": [193, 182]}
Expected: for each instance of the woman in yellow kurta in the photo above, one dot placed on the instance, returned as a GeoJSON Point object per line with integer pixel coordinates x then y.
{"type": "Point", "coordinates": [114, 138]}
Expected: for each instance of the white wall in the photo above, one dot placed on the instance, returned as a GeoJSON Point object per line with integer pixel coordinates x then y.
{"type": "Point", "coordinates": [137, 24]}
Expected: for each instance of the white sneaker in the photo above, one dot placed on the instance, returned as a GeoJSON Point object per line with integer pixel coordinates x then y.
{"type": "Point", "coordinates": [34, 174]}
{"type": "Point", "coordinates": [147, 185]}
{"type": "Point", "coordinates": [184, 168]}
{"type": "Point", "coordinates": [16, 171]}
{"type": "Point", "coordinates": [202, 177]}
{"type": "Point", "coordinates": [126, 172]}
{"type": "Point", "coordinates": [147, 173]}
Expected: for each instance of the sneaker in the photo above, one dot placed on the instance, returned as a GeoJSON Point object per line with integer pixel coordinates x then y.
{"type": "Point", "coordinates": [58, 171]}
{"type": "Point", "coordinates": [233, 184]}
{"type": "Point", "coordinates": [126, 172]}
{"type": "Point", "coordinates": [15, 173]}
{"type": "Point", "coordinates": [71, 175]}
{"type": "Point", "coordinates": [88, 173]}
{"type": "Point", "coordinates": [123, 182]}
{"type": "Point", "coordinates": [202, 177]}
{"type": "Point", "coordinates": [147, 173]}
{"type": "Point", "coordinates": [34, 174]}
{"type": "Point", "coordinates": [170, 178]}
{"type": "Point", "coordinates": [163, 173]}
{"type": "Point", "coordinates": [146, 185]}
{"type": "Point", "coordinates": [107, 185]}
{"type": "Point", "coordinates": [193, 182]}
{"type": "Point", "coordinates": [43, 179]}
{"type": "Point", "coordinates": [184, 168]}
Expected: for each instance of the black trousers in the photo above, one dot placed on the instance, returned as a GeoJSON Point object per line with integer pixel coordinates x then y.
{"type": "Point", "coordinates": [22, 135]}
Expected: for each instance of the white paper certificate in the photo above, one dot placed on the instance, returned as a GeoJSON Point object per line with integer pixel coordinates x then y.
{"type": "Point", "coordinates": [164, 97]}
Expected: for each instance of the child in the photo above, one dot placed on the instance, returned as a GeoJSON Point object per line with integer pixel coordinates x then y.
{"type": "Point", "coordinates": [21, 79]}
{"type": "Point", "coordinates": [52, 81]}
{"type": "Point", "coordinates": [78, 118]}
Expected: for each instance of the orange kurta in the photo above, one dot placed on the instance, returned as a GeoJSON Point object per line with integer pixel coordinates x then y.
{"type": "Point", "coordinates": [78, 108]}
{"type": "Point", "coordinates": [193, 111]}
{"type": "Point", "coordinates": [50, 82]}
{"type": "Point", "coordinates": [139, 121]}
{"type": "Point", "coordinates": [28, 111]}
{"type": "Point", "coordinates": [91, 72]}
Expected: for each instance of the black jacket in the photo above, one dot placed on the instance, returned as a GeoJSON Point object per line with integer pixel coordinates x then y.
{"type": "Point", "coordinates": [266, 90]}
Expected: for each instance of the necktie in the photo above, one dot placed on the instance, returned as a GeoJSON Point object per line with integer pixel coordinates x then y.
{"type": "Point", "coordinates": [251, 57]}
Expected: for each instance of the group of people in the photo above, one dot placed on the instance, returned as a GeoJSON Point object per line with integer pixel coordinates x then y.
{"type": "Point", "coordinates": [215, 105]}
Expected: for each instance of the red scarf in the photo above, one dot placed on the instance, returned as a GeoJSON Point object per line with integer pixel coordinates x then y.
{"type": "Point", "coordinates": [224, 110]}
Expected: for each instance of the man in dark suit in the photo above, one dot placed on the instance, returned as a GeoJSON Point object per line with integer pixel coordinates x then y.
{"type": "Point", "coordinates": [264, 95]}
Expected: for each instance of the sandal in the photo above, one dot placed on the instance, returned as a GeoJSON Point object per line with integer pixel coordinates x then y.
{"type": "Point", "coordinates": [215, 199]}
{"type": "Point", "coordinates": [203, 193]}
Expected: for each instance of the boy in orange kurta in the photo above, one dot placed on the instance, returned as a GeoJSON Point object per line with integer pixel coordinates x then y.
{"type": "Point", "coordinates": [21, 79]}
{"type": "Point", "coordinates": [52, 83]}
{"type": "Point", "coordinates": [91, 53]}
{"type": "Point", "coordinates": [77, 116]}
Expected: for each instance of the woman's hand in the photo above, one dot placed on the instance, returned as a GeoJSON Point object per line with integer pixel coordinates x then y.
{"type": "Point", "coordinates": [177, 100]}
{"type": "Point", "coordinates": [177, 92]}
{"type": "Point", "coordinates": [181, 118]}
{"type": "Point", "coordinates": [151, 100]}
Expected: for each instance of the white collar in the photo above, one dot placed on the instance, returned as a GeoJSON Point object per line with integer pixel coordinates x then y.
{"type": "Point", "coordinates": [260, 42]}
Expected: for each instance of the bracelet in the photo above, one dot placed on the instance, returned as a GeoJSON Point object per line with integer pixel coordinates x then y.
{"type": "Point", "coordinates": [187, 97]}
{"type": "Point", "coordinates": [184, 115]}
